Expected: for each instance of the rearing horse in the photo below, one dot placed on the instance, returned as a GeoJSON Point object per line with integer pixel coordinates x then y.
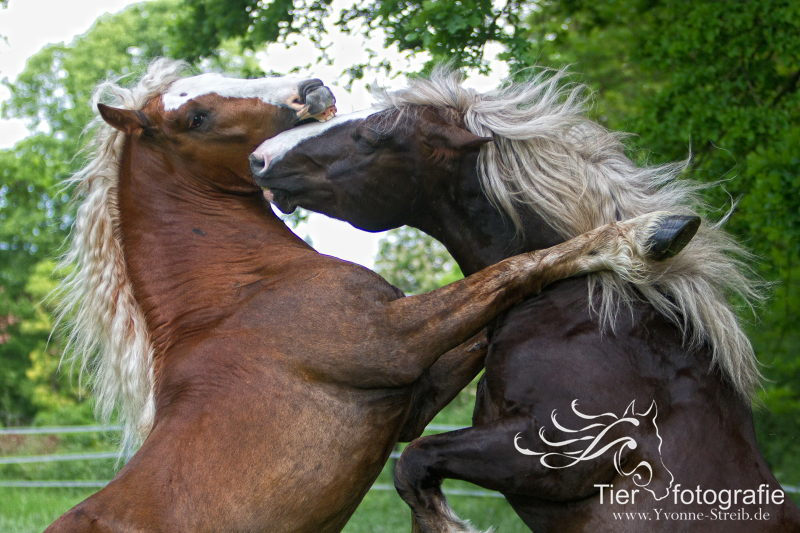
{"type": "Point", "coordinates": [270, 381]}
{"type": "Point", "coordinates": [520, 169]}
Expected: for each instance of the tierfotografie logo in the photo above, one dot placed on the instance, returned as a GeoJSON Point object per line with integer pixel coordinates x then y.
{"type": "Point", "coordinates": [608, 432]}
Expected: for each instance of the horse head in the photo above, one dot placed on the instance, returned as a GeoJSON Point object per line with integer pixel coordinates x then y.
{"type": "Point", "coordinates": [330, 167]}
{"type": "Point", "coordinates": [168, 137]}
{"type": "Point", "coordinates": [210, 123]}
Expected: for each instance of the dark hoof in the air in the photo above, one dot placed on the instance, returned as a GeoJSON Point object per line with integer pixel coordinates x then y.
{"type": "Point", "coordinates": [672, 235]}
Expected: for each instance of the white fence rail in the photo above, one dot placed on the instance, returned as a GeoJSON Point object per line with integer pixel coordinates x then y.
{"type": "Point", "coordinates": [62, 429]}
{"type": "Point", "coordinates": [57, 458]}
{"type": "Point", "coordinates": [114, 455]}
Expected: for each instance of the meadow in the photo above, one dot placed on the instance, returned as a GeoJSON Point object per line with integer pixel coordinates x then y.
{"type": "Point", "coordinates": [31, 510]}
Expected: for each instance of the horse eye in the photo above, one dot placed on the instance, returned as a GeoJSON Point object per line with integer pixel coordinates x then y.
{"type": "Point", "coordinates": [368, 139]}
{"type": "Point", "coordinates": [197, 121]}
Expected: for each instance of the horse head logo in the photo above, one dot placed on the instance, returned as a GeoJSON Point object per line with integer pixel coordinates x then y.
{"type": "Point", "coordinates": [600, 426]}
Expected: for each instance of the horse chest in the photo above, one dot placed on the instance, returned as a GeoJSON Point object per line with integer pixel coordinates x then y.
{"type": "Point", "coordinates": [550, 350]}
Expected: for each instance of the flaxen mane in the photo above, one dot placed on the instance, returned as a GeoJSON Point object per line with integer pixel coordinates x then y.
{"type": "Point", "coordinates": [547, 156]}
{"type": "Point", "coordinates": [108, 337]}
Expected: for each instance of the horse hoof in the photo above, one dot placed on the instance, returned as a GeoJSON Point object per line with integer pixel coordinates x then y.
{"type": "Point", "coordinates": [671, 236]}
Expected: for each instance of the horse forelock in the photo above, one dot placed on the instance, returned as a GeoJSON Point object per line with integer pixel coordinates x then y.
{"type": "Point", "coordinates": [107, 337]}
{"type": "Point", "coordinates": [573, 172]}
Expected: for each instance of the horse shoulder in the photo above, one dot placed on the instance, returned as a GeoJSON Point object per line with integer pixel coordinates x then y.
{"type": "Point", "coordinates": [333, 317]}
{"type": "Point", "coordinates": [356, 281]}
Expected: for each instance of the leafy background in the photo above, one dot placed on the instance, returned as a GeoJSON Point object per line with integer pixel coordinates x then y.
{"type": "Point", "coordinates": [714, 81]}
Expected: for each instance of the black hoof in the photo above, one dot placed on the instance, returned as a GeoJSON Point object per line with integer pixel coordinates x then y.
{"type": "Point", "coordinates": [672, 235]}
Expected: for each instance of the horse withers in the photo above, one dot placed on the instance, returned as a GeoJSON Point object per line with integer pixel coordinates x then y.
{"type": "Point", "coordinates": [269, 382]}
{"type": "Point", "coordinates": [596, 387]}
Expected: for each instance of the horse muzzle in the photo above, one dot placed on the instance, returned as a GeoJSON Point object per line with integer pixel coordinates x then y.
{"type": "Point", "coordinates": [319, 103]}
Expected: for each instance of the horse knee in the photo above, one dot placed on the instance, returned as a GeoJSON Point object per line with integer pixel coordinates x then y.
{"type": "Point", "coordinates": [412, 470]}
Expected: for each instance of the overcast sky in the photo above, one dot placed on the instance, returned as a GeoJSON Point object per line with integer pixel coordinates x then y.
{"type": "Point", "coordinates": [31, 24]}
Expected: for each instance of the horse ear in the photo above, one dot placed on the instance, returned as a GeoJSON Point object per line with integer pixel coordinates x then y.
{"type": "Point", "coordinates": [448, 137]}
{"type": "Point", "coordinates": [125, 120]}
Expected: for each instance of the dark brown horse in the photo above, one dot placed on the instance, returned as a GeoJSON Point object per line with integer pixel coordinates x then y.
{"type": "Point", "coordinates": [596, 401]}
{"type": "Point", "coordinates": [270, 381]}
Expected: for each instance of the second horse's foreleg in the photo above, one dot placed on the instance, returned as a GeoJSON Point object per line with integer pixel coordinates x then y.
{"type": "Point", "coordinates": [486, 456]}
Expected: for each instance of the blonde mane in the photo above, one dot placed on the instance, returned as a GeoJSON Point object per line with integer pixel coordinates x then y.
{"type": "Point", "coordinates": [547, 156]}
{"type": "Point", "coordinates": [107, 334]}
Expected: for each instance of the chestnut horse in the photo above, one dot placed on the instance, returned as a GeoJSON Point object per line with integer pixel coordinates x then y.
{"type": "Point", "coordinates": [520, 169]}
{"type": "Point", "coordinates": [270, 381]}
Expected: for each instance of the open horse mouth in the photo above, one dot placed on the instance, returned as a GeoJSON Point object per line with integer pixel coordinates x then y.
{"type": "Point", "coordinates": [319, 103]}
{"type": "Point", "coordinates": [290, 191]}
{"type": "Point", "coordinates": [326, 115]}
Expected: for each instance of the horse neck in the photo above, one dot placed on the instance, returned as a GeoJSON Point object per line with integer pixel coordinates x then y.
{"type": "Point", "coordinates": [191, 249]}
{"type": "Point", "coordinates": [472, 229]}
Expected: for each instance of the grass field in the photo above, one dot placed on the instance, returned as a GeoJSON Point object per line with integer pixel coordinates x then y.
{"type": "Point", "coordinates": [30, 510]}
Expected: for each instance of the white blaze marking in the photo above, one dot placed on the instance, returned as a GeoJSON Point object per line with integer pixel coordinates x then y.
{"type": "Point", "coordinates": [275, 91]}
{"type": "Point", "coordinates": [273, 149]}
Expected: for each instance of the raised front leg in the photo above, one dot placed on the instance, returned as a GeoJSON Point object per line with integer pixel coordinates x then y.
{"type": "Point", "coordinates": [442, 382]}
{"type": "Point", "coordinates": [485, 456]}
{"type": "Point", "coordinates": [410, 334]}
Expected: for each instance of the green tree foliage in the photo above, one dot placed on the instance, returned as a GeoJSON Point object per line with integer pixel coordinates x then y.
{"type": "Point", "coordinates": [52, 95]}
{"type": "Point", "coordinates": [415, 262]}
{"type": "Point", "coordinates": [204, 25]}
{"type": "Point", "coordinates": [34, 222]}
{"type": "Point", "coordinates": [449, 31]}
{"type": "Point", "coordinates": [454, 31]}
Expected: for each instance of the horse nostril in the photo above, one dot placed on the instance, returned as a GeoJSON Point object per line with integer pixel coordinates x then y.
{"type": "Point", "coordinates": [306, 87]}
{"type": "Point", "coordinates": [258, 165]}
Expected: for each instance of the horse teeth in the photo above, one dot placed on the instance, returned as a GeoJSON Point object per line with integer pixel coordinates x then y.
{"type": "Point", "coordinates": [326, 115]}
